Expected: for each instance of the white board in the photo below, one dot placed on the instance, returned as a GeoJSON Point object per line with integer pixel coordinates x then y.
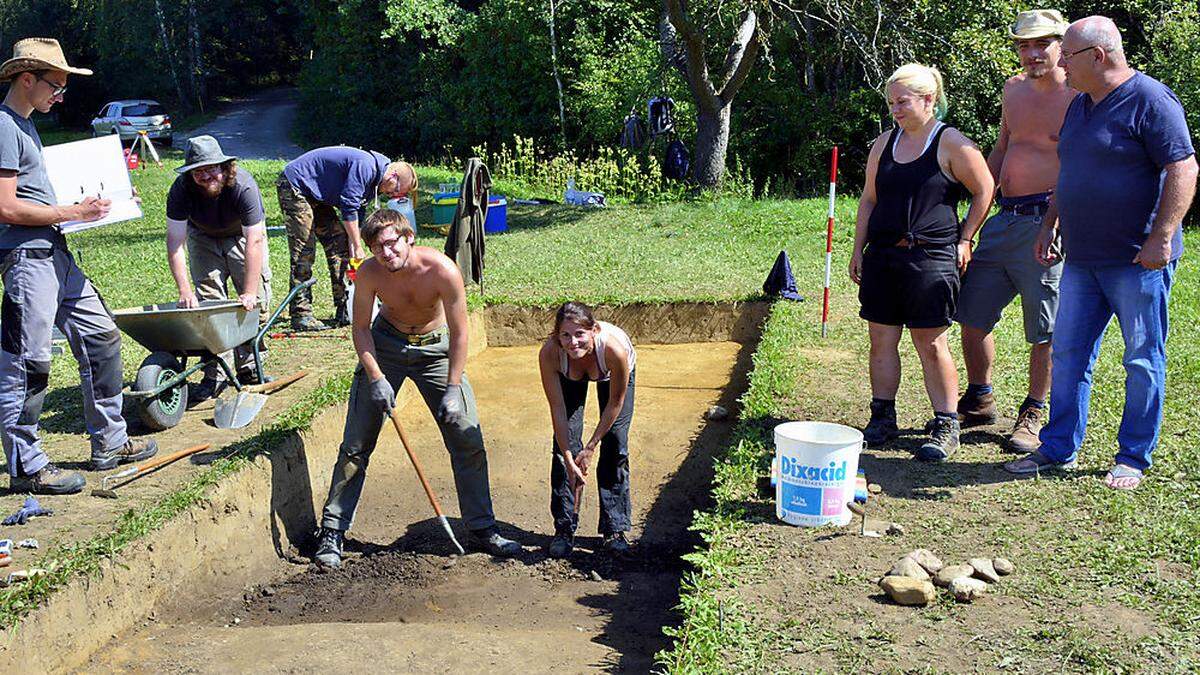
{"type": "Point", "coordinates": [93, 167]}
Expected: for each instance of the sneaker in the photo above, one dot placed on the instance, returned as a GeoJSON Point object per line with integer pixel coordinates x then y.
{"type": "Point", "coordinates": [882, 427]}
{"type": "Point", "coordinates": [616, 543]}
{"type": "Point", "coordinates": [51, 480]}
{"type": "Point", "coordinates": [943, 440]}
{"type": "Point", "coordinates": [561, 545]}
{"type": "Point", "coordinates": [208, 388]}
{"type": "Point", "coordinates": [307, 322]}
{"type": "Point", "coordinates": [1024, 436]}
{"type": "Point", "coordinates": [977, 410]}
{"type": "Point", "coordinates": [329, 547]}
{"type": "Point", "coordinates": [341, 317]}
{"type": "Point", "coordinates": [132, 451]}
{"type": "Point", "coordinates": [489, 541]}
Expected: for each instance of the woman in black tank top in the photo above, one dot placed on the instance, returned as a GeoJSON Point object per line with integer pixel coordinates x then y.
{"type": "Point", "coordinates": [909, 250]}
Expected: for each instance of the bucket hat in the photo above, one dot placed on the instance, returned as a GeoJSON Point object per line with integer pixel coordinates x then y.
{"type": "Point", "coordinates": [1038, 23]}
{"type": "Point", "coordinates": [37, 54]}
{"type": "Point", "coordinates": [202, 151]}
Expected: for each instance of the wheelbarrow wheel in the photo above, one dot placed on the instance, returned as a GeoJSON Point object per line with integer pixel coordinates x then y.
{"type": "Point", "coordinates": [165, 410]}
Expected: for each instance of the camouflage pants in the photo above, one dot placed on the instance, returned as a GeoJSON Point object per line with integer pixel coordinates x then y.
{"type": "Point", "coordinates": [308, 222]}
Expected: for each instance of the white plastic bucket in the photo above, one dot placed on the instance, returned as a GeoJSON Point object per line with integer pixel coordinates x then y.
{"type": "Point", "coordinates": [817, 463]}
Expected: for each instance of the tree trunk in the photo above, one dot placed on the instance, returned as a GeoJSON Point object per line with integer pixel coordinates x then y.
{"type": "Point", "coordinates": [712, 144]}
{"type": "Point", "coordinates": [562, 114]}
{"type": "Point", "coordinates": [169, 54]}
{"type": "Point", "coordinates": [196, 71]}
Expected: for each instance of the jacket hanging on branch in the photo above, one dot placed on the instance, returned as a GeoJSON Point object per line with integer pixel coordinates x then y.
{"type": "Point", "coordinates": [464, 243]}
{"type": "Point", "coordinates": [661, 115]}
{"type": "Point", "coordinates": [633, 132]}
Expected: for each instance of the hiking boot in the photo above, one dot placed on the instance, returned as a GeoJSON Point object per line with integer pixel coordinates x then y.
{"type": "Point", "coordinates": [207, 389]}
{"type": "Point", "coordinates": [341, 317]}
{"type": "Point", "coordinates": [977, 410]}
{"type": "Point", "coordinates": [51, 480]}
{"type": "Point", "coordinates": [132, 451]}
{"type": "Point", "coordinates": [882, 427]}
{"type": "Point", "coordinates": [616, 543]}
{"type": "Point", "coordinates": [329, 548]}
{"type": "Point", "coordinates": [943, 440]}
{"type": "Point", "coordinates": [561, 545]}
{"type": "Point", "coordinates": [307, 322]}
{"type": "Point", "coordinates": [1024, 436]}
{"type": "Point", "coordinates": [250, 377]}
{"type": "Point", "coordinates": [489, 541]}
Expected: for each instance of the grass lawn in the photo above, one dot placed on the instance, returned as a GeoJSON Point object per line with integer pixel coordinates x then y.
{"type": "Point", "coordinates": [1090, 561]}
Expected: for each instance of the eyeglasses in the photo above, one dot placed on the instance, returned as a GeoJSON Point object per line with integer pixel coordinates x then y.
{"type": "Point", "coordinates": [211, 171]}
{"type": "Point", "coordinates": [1067, 57]}
{"type": "Point", "coordinates": [57, 89]}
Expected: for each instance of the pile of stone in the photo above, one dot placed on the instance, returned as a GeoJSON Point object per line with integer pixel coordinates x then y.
{"type": "Point", "coordinates": [915, 578]}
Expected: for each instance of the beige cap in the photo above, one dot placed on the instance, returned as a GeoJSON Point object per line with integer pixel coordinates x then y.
{"type": "Point", "coordinates": [1038, 23]}
{"type": "Point", "coordinates": [37, 54]}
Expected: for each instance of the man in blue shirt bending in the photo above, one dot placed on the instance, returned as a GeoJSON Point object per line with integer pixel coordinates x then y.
{"type": "Point", "coordinates": [1127, 177]}
{"type": "Point", "coordinates": [314, 190]}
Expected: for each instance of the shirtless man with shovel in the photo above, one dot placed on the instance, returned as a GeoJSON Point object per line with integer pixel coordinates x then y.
{"type": "Point", "coordinates": [420, 333]}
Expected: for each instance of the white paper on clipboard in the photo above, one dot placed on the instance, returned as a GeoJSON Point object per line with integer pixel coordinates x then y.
{"type": "Point", "coordinates": [93, 167]}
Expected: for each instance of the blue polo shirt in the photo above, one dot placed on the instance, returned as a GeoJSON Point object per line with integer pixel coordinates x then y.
{"type": "Point", "coordinates": [1111, 157]}
{"type": "Point", "coordinates": [342, 177]}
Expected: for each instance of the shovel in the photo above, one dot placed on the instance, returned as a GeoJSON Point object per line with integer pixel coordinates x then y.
{"type": "Point", "coordinates": [238, 410]}
{"type": "Point", "coordinates": [135, 472]}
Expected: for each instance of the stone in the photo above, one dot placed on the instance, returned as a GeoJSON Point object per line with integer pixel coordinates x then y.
{"type": "Point", "coordinates": [984, 570]}
{"type": "Point", "coordinates": [1003, 566]}
{"type": "Point", "coordinates": [908, 591]}
{"type": "Point", "coordinates": [966, 589]}
{"type": "Point", "coordinates": [895, 530]}
{"type": "Point", "coordinates": [596, 576]}
{"type": "Point", "coordinates": [925, 558]}
{"type": "Point", "coordinates": [874, 488]}
{"type": "Point", "coordinates": [715, 413]}
{"type": "Point", "coordinates": [951, 572]}
{"type": "Point", "coordinates": [907, 567]}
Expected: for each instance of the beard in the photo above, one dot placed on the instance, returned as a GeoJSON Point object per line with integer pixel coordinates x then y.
{"type": "Point", "coordinates": [211, 190]}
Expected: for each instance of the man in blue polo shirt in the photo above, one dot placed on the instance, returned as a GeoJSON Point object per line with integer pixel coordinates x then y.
{"type": "Point", "coordinates": [314, 190]}
{"type": "Point", "coordinates": [1127, 176]}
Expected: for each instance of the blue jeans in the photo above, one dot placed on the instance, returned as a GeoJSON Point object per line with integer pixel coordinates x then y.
{"type": "Point", "coordinates": [1089, 297]}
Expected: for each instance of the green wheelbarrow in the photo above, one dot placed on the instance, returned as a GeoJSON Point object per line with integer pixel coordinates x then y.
{"type": "Point", "coordinates": [174, 335]}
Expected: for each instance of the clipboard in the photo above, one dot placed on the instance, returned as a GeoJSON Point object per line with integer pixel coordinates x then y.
{"type": "Point", "coordinates": [93, 167]}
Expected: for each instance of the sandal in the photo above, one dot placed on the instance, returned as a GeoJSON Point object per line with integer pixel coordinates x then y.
{"type": "Point", "coordinates": [1123, 478]}
{"type": "Point", "coordinates": [1036, 462]}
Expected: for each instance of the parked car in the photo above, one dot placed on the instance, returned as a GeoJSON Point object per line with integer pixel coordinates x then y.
{"type": "Point", "coordinates": [127, 118]}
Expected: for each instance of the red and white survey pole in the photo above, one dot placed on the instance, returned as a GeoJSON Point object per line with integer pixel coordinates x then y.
{"type": "Point", "coordinates": [829, 239]}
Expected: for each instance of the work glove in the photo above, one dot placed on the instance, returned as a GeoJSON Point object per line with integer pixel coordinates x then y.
{"type": "Point", "coordinates": [30, 509]}
{"type": "Point", "coordinates": [451, 410]}
{"type": "Point", "coordinates": [383, 397]}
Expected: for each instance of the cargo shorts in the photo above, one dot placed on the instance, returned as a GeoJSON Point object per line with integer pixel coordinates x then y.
{"type": "Point", "coordinates": [1003, 267]}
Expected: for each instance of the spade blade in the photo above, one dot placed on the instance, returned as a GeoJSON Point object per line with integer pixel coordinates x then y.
{"type": "Point", "coordinates": [237, 410]}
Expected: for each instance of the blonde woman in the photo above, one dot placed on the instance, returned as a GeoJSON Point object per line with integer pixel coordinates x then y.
{"type": "Point", "coordinates": [910, 249]}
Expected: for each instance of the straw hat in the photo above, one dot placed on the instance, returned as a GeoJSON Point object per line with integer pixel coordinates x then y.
{"type": "Point", "coordinates": [1038, 23]}
{"type": "Point", "coordinates": [37, 54]}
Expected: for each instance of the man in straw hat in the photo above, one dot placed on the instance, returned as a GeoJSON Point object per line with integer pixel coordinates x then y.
{"type": "Point", "coordinates": [218, 210]}
{"type": "Point", "coordinates": [1025, 166]}
{"type": "Point", "coordinates": [1127, 176]}
{"type": "Point", "coordinates": [43, 287]}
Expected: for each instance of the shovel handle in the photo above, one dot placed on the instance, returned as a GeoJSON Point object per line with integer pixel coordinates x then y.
{"type": "Point", "coordinates": [167, 459]}
{"type": "Point", "coordinates": [437, 508]}
{"type": "Point", "coordinates": [275, 385]}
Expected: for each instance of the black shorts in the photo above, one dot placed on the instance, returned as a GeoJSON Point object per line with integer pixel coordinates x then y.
{"type": "Point", "coordinates": [915, 287]}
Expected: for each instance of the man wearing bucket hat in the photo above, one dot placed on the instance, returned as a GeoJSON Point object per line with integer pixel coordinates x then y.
{"type": "Point", "coordinates": [314, 190]}
{"type": "Point", "coordinates": [218, 210]}
{"type": "Point", "coordinates": [1025, 166]}
{"type": "Point", "coordinates": [43, 287]}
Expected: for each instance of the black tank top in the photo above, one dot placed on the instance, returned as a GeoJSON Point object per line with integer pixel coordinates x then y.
{"type": "Point", "coordinates": [914, 200]}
